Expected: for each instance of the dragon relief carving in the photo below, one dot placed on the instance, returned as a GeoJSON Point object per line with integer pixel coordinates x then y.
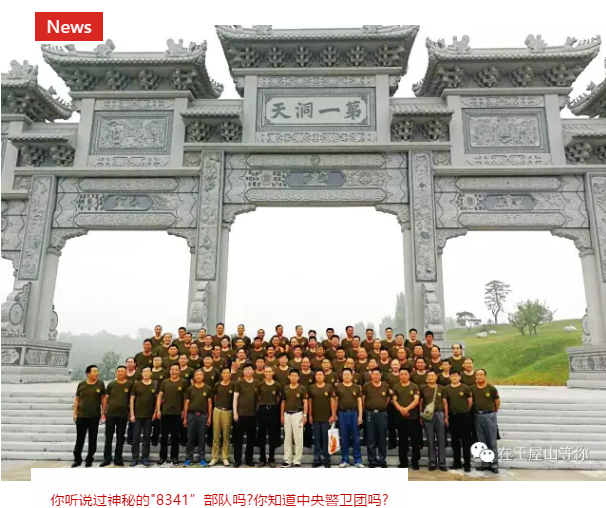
{"type": "Point", "coordinates": [14, 311]}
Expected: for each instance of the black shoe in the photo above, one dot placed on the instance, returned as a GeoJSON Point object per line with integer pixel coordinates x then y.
{"type": "Point", "coordinates": [494, 470]}
{"type": "Point", "coordinates": [129, 442]}
{"type": "Point", "coordinates": [457, 466]}
{"type": "Point", "coordinates": [134, 463]}
{"type": "Point", "coordinates": [105, 463]}
{"type": "Point", "coordinates": [174, 462]}
{"type": "Point", "coordinates": [467, 469]}
{"type": "Point", "coordinates": [384, 466]}
{"type": "Point", "coordinates": [482, 468]}
{"type": "Point", "coordinates": [88, 464]}
{"type": "Point", "coordinates": [315, 464]}
{"type": "Point", "coordinates": [415, 467]}
{"type": "Point", "coordinates": [372, 466]}
{"type": "Point", "coordinates": [154, 443]}
{"type": "Point", "coordinates": [432, 468]}
{"type": "Point", "coordinates": [250, 464]}
{"type": "Point", "coordinates": [392, 447]}
{"type": "Point", "coordinates": [403, 466]}
{"type": "Point", "coordinates": [327, 466]}
{"type": "Point", "coordinates": [119, 463]}
{"type": "Point", "coordinates": [237, 464]}
{"type": "Point", "coordinates": [76, 463]}
{"type": "Point", "coordinates": [299, 465]}
{"type": "Point", "coordinates": [443, 468]}
{"type": "Point", "coordinates": [161, 462]}
{"type": "Point", "coordinates": [262, 464]}
{"type": "Point", "coordinates": [286, 464]}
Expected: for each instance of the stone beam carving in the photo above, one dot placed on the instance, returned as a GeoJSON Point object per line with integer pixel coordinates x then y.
{"type": "Point", "coordinates": [14, 216]}
{"type": "Point", "coordinates": [510, 202]}
{"type": "Point", "coordinates": [580, 237]}
{"type": "Point", "coordinates": [230, 212]}
{"type": "Point", "coordinates": [14, 311]}
{"type": "Point", "coordinates": [402, 212]}
{"type": "Point", "coordinates": [189, 234]}
{"type": "Point", "coordinates": [432, 311]}
{"type": "Point", "coordinates": [597, 188]}
{"type": "Point", "coordinates": [39, 214]}
{"type": "Point", "coordinates": [126, 203]}
{"type": "Point", "coordinates": [197, 316]}
{"type": "Point", "coordinates": [585, 330]}
{"type": "Point", "coordinates": [209, 217]}
{"type": "Point", "coordinates": [60, 236]}
{"type": "Point", "coordinates": [423, 219]}
{"type": "Point", "coordinates": [52, 332]}
{"type": "Point", "coordinates": [584, 359]}
{"type": "Point", "coordinates": [443, 235]}
{"type": "Point", "coordinates": [316, 178]}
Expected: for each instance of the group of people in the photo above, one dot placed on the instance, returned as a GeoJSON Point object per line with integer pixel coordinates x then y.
{"type": "Point", "coordinates": [380, 393]}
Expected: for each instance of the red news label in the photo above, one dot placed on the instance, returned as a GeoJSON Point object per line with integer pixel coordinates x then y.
{"type": "Point", "coordinates": [69, 26]}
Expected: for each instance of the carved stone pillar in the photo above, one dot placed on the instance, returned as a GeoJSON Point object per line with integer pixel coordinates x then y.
{"type": "Point", "coordinates": [230, 212]}
{"type": "Point", "coordinates": [203, 281]}
{"type": "Point", "coordinates": [587, 364]}
{"type": "Point", "coordinates": [27, 315]}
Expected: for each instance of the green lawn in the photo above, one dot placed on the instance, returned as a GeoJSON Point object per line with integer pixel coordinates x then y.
{"type": "Point", "coordinates": [511, 359]}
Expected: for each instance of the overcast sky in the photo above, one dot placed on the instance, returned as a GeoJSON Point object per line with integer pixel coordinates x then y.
{"type": "Point", "coordinates": [315, 266]}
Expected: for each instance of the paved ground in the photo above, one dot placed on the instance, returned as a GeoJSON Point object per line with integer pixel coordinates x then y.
{"type": "Point", "coordinates": [13, 470]}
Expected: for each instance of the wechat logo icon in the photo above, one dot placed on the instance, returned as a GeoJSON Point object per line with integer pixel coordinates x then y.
{"type": "Point", "coordinates": [480, 451]}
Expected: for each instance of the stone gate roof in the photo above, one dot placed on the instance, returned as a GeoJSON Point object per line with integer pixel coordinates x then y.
{"type": "Point", "coordinates": [21, 94]}
{"type": "Point", "coordinates": [592, 103]}
{"type": "Point", "coordinates": [458, 65]}
{"type": "Point", "coordinates": [262, 46]}
{"type": "Point", "coordinates": [178, 67]}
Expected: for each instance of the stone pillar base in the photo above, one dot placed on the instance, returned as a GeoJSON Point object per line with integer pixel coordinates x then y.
{"type": "Point", "coordinates": [34, 361]}
{"type": "Point", "coordinates": [587, 366]}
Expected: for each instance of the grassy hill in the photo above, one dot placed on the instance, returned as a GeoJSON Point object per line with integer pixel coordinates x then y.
{"type": "Point", "coordinates": [511, 359]}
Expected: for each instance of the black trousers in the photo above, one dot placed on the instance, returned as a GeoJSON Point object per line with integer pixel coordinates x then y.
{"type": "Point", "coordinates": [130, 432]}
{"type": "Point", "coordinates": [269, 427]}
{"type": "Point", "coordinates": [409, 430]}
{"type": "Point", "coordinates": [246, 426]}
{"type": "Point", "coordinates": [115, 424]}
{"type": "Point", "coordinates": [308, 435]}
{"type": "Point", "coordinates": [460, 433]}
{"type": "Point", "coordinates": [392, 426]}
{"type": "Point", "coordinates": [141, 425]}
{"type": "Point", "coordinates": [155, 436]}
{"type": "Point", "coordinates": [173, 425]}
{"type": "Point", "coordinates": [84, 426]}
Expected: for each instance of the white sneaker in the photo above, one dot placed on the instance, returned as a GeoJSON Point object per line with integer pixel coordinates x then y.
{"type": "Point", "coordinates": [359, 464]}
{"type": "Point", "coordinates": [343, 464]}
{"type": "Point", "coordinates": [226, 462]}
{"type": "Point", "coordinates": [212, 463]}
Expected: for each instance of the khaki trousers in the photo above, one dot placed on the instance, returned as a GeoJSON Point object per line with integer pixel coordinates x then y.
{"type": "Point", "coordinates": [293, 432]}
{"type": "Point", "coordinates": [221, 429]}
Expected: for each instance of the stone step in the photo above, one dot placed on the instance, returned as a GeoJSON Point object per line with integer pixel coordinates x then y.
{"type": "Point", "coordinates": [66, 446]}
{"type": "Point", "coordinates": [549, 427]}
{"type": "Point", "coordinates": [568, 437]}
{"type": "Point", "coordinates": [560, 415]}
{"type": "Point", "coordinates": [392, 461]}
{"type": "Point", "coordinates": [36, 406]}
{"type": "Point", "coordinates": [539, 419]}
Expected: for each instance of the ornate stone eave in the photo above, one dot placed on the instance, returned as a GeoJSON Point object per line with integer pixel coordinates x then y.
{"type": "Point", "coordinates": [593, 102]}
{"type": "Point", "coordinates": [213, 121]}
{"type": "Point", "coordinates": [214, 109]}
{"type": "Point", "coordinates": [21, 94]}
{"type": "Point", "coordinates": [55, 143]}
{"type": "Point", "coordinates": [177, 68]}
{"type": "Point", "coordinates": [584, 140]}
{"type": "Point", "coordinates": [424, 119]}
{"type": "Point", "coordinates": [459, 66]}
{"type": "Point", "coordinates": [372, 46]}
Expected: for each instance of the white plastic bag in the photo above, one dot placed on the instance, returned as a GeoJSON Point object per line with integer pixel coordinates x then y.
{"type": "Point", "coordinates": [334, 443]}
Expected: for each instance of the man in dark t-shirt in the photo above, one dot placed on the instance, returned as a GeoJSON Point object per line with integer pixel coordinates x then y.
{"type": "Point", "coordinates": [87, 413]}
{"type": "Point", "coordinates": [115, 414]}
